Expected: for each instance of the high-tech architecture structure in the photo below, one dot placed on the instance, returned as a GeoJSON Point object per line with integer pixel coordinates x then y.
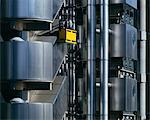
{"type": "Point", "coordinates": [74, 59]}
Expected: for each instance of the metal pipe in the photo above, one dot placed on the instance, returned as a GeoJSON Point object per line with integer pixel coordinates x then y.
{"type": "Point", "coordinates": [110, 31]}
{"type": "Point", "coordinates": [81, 80]}
{"type": "Point", "coordinates": [91, 59]}
{"type": "Point", "coordinates": [104, 59]}
{"type": "Point", "coordinates": [143, 59]}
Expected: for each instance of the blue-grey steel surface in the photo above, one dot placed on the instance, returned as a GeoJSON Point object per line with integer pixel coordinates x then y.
{"type": "Point", "coordinates": [25, 61]}
{"type": "Point", "coordinates": [123, 43]}
{"type": "Point", "coordinates": [30, 60]}
{"type": "Point", "coordinates": [148, 78]}
{"type": "Point", "coordinates": [104, 57]}
{"type": "Point", "coordinates": [52, 108]}
{"type": "Point", "coordinates": [123, 94]}
{"type": "Point", "coordinates": [61, 100]}
{"type": "Point", "coordinates": [132, 3]}
{"type": "Point", "coordinates": [142, 57]}
{"type": "Point", "coordinates": [29, 111]}
{"type": "Point", "coordinates": [56, 6]}
{"type": "Point", "coordinates": [91, 59]}
{"type": "Point", "coordinates": [42, 10]}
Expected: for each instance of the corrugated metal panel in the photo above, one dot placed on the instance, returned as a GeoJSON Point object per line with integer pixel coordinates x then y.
{"type": "Point", "coordinates": [41, 10]}
{"type": "Point", "coordinates": [31, 111]}
{"type": "Point", "coordinates": [36, 60]}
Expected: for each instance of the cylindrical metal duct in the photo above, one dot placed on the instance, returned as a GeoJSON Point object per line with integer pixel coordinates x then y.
{"type": "Point", "coordinates": [148, 60]}
{"type": "Point", "coordinates": [28, 111]}
{"type": "Point", "coordinates": [27, 9]}
{"type": "Point", "coordinates": [91, 59]}
{"type": "Point", "coordinates": [123, 43]}
{"type": "Point", "coordinates": [148, 81]}
{"type": "Point", "coordinates": [132, 3]}
{"type": "Point", "coordinates": [41, 10]}
{"type": "Point", "coordinates": [143, 59]}
{"type": "Point", "coordinates": [23, 60]}
{"type": "Point", "coordinates": [104, 50]}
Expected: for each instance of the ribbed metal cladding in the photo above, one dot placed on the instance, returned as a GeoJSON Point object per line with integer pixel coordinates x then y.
{"type": "Point", "coordinates": [26, 60]}
{"type": "Point", "coordinates": [41, 10]}
{"type": "Point", "coordinates": [27, 111]}
{"type": "Point", "coordinates": [34, 61]}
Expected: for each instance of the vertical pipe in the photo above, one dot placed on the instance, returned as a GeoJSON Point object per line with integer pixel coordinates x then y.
{"type": "Point", "coordinates": [72, 82]}
{"type": "Point", "coordinates": [143, 59]}
{"type": "Point", "coordinates": [91, 58]}
{"type": "Point", "coordinates": [104, 58]}
{"type": "Point", "coordinates": [69, 92]}
{"type": "Point", "coordinates": [80, 81]}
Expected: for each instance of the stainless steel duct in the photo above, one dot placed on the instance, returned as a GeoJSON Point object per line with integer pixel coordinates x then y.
{"type": "Point", "coordinates": [40, 10]}
{"type": "Point", "coordinates": [91, 58]}
{"type": "Point", "coordinates": [143, 59]}
{"type": "Point", "coordinates": [31, 60]}
{"type": "Point", "coordinates": [104, 59]}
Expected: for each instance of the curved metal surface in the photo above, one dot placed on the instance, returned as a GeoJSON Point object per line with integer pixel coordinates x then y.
{"type": "Point", "coordinates": [25, 111]}
{"type": "Point", "coordinates": [148, 79]}
{"type": "Point", "coordinates": [123, 43]}
{"type": "Point", "coordinates": [104, 57]}
{"type": "Point", "coordinates": [91, 59]}
{"type": "Point", "coordinates": [42, 104]}
{"type": "Point", "coordinates": [142, 58]}
{"type": "Point", "coordinates": [123, 94]}
{"type": "Point", "coordinates": [41, 10]}
{"type": "Point", "coordinates": [132, 3]}
{"type": "Point", "coordinates": [26, 60]}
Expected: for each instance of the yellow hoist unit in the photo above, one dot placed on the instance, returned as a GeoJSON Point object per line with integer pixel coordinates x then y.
{"type": "Point", "coordinates": [68, 36]}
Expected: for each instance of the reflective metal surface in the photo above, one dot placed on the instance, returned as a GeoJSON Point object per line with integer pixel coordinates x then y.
{"type": "Point", "coordinates": [104, 57]}
{"type": "Point", "coordinates": [142, 58]}
{"type": "Point", "coordinates": [91, 59]}
{"type": "Point", "coordinates": [148, 98]}
{"type": "Point", "coordinates": [43, 105]}
{"type": "Point", "coordinates": [56, 6]}
{"type": "Point", "coordinates": [148, 80]}
{"type": "Point", "coordinates": [26, 60]}
{"type": "Point", "coordinates": [123, 94]}
{"type": "Point", "coordinates": [41, 10]}
{"type": "Point", "coordinates": [25, 111]}
{"type": "Point", "coordinates": [123, 43]}
{"type": "Point", "coordinates": [30, 60]}
{"type": "Point", "coordinates": [132, 3]}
